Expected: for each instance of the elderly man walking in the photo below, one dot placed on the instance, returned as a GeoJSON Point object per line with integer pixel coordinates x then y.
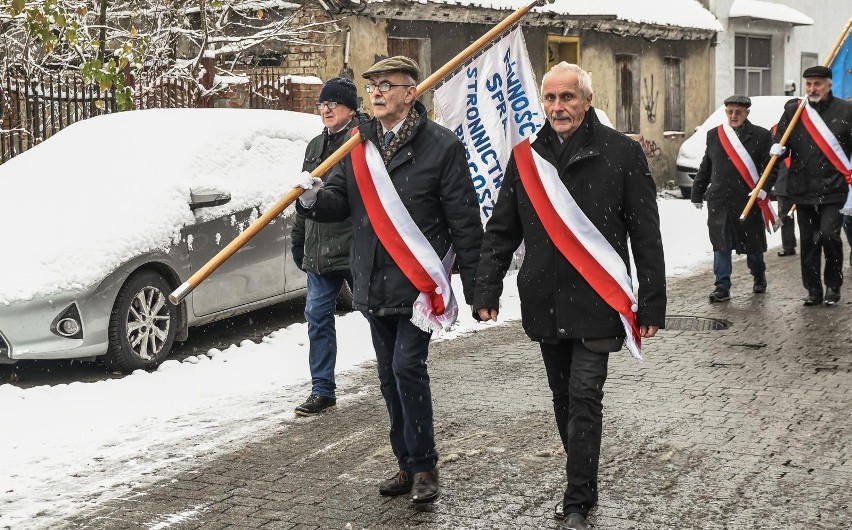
{"type": "Point", "coordinates": [819, 180]}
{"type": "Point", "coordinates": [574, 196]}
{"type": "Point", "coordinates": [737, 153]}
{"type": "Point", "coordinates": [414, 211]}
{"type": "Point", "coordinates": [322, 250]}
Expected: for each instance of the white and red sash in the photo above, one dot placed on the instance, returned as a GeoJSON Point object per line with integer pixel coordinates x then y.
{"type": "Point", "coordinates": [578, 240]}
{"type": "Point", "coordinates": [739, 156]}
{"type": "Point", "coordinates": [830, 148]}
{"type": "Point", "coordinates": [435, 308]}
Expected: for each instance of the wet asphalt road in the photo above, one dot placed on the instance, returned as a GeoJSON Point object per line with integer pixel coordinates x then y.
{"type": "Point", "coordinates": [252, 326]}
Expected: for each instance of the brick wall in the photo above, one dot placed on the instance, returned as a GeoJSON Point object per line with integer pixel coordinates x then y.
{"type": "Point", "coordinates": [305, 96]}
{"type": "Point", "coordinates": [307, 59]}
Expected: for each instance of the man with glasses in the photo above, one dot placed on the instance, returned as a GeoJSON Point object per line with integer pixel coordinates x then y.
{"type": "Point", "coordinates": [414, 210]}
{"type": "Point", "coordinates": [737, 153]}
{"type": "Point", "coordinates": [322, 250]}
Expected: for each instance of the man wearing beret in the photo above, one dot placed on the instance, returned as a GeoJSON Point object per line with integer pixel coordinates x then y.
{"type": "Point", "coordinates": [414, 209]}
{"type": "Point", "coordinates": [819, 181]}
{"type": "Point", "coordinates": [322, 250]}
{"type": "Point", "coordinates": [737, 153]}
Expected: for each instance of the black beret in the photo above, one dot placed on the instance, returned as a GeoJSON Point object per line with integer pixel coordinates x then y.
{"type": "Point", "coordinates": [398, 63]}
{"type": "Point", "coordinates": [817, 71]}
{"type": "Point", "coordinates": [736, 99]}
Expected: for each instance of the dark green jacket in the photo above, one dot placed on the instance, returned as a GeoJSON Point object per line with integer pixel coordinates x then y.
{"type": "Point", "coordinates": [323, 247]}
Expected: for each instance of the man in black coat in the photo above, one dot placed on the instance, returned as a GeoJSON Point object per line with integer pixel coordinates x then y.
{"type": "Point", "coordinates": [607, 175]}
{"type": "Point", "coordinates": [816, 185]}
{"type": "Point", "coordinates": [322, 250]}
{"type": "Point", "coordinates": [719, 180]}
{"type": "Point", "coordinates": [428, 171]}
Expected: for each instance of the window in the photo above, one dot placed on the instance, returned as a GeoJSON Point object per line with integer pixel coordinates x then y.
{"type": "Point", "coordinates": [562, 49]}
{"type": "Point", "coordinates": [627, 93]}
{"type": "Point", "coordinates": [675, 86]}
{"type": "Point", "coordinates": [752, 65]}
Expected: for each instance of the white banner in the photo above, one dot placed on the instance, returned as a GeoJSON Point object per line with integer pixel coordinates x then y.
{"type": "Point", "coordinates": [492, 105]}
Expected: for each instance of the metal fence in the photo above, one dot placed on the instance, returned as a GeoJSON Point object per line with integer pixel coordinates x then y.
{"type": "Point", "coordinates": [33, 110]}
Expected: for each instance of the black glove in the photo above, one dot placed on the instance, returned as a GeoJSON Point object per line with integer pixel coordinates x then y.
{"type": "Point", "coordinates": [298, 256]}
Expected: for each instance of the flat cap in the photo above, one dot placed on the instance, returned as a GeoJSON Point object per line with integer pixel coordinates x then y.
{"type": "Point", "coordinates": [397, 63]}
{"type": "Point", "coordinates": [817, 71]}
{"type": "Point", "coordinates": [737, 99]}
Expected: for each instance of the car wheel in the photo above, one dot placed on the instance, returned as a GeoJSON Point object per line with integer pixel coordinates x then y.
{"type": "Point", "coordinates": [344, 298]}
{"type": "Point", "coordinates": [685, 192]}
{"type": "Point", "coordinates": [142, 325]}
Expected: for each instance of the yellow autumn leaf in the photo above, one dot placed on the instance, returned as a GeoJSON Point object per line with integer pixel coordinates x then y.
{"type": "Point", "coordinates": [260, 13]}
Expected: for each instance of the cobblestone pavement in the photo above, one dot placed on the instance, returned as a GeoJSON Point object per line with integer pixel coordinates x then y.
{"type": "Point", "coordinates": [746, 427]}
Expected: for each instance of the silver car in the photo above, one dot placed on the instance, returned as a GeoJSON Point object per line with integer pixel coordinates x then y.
{"type": "Point", "coordinates": [765, 111]}
{"type": "Point", "coordinates": [89, 277]}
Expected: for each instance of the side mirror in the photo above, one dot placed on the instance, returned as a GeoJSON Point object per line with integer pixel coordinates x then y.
{"type": "Point", "coordinates": [207, 198]}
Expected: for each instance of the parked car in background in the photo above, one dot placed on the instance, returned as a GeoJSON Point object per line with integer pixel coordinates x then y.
{"type": "Point", "coordinates": [103, 220]}
{"type": "Point", "coordinates": [765, 111]}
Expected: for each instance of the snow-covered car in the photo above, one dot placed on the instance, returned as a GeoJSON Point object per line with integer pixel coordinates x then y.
{"type": "Point", "coordinates": [102, 221]}
{"type": "Point", "coordinates": [765, 111]}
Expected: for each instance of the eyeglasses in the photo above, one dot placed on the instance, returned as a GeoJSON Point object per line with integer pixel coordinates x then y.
{"type": "Point", "coordinates": [330, 104]}
{"type": "Point", "coordinates": [383, 87]}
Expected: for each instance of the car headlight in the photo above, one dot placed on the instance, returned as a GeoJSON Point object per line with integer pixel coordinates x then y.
{"type": "Point", "coordinates": [4, 347]}
{"type": "Point", "coordinates": [68, 324]}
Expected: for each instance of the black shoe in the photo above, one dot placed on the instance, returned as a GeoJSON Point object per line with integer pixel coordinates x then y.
{"type": "Point", "coordinates": [425, 488]}
{"type": "Point", "coordinates": [316, 404]}
{"type": "Point", "coordinates": [787, 252]}
{"type": "Point", "coordinates": [813, 299]}
{"type": "Point", "coordinates": [575, 521]}
{"type": "Point", "coordinates": [759, 284]}
{"type": "Point", "coordinates": [832, 296]}
{"type": "Point", "coordinates": [719, 295]}
{"type": "Point", "coordinates": [399, 484]}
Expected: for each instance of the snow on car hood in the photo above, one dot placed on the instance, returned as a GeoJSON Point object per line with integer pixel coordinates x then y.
{"type": "Point", "coordinates": [107, 189]}
{"type": "Point", "coordinates": [765, 111]}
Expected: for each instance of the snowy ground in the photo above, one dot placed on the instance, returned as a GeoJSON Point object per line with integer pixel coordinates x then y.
{"type": "Point", "coordinates": [67, 447]}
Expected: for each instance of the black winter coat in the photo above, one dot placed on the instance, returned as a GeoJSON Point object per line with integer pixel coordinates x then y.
{"type": "Point", "coordinates": [720, 184]}
{"type": "Point", "coordinates": [812, 179]}
{"type": "Point", "coordinates": [430, 173]}
{"type": "Point", "coordinates": [609, 179]}
{"type": "Point", "coordinates": [323, 247]}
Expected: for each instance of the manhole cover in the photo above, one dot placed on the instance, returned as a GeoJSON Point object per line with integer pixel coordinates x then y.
{"type": "Point", "coordinates": [688, 323]}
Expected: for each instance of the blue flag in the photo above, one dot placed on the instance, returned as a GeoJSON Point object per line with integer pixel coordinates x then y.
{"type": "Point", "coordinates": [841, 71]}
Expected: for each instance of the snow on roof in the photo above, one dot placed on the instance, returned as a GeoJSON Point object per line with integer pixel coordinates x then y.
{"type": "Point", "coordinates": [768, 11]}
{"type": "Point", "coordinates": [679, 13]}
{"type": "Point", "coordinates": [107, 189]}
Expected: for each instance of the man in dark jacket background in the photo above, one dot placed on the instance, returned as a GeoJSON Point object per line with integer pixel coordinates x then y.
{"type": "Point", "coordinates": [322, 250]}
{"type": "Point", "coordinates": [428, 172]}
{"type": "Point", "coordinates": [607, 175]}
{"type": "Point", "coordinates": [727, 194]}
{"type": "Point", "coordinates": [817, 187]}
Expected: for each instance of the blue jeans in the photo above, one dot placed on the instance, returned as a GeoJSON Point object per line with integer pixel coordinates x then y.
{"type": "Point", "coordinates": [401, 351]}
{"type": "Point", "coordinates": [319, 313]}
{"type": "Point", "coordinates": [722, 267]}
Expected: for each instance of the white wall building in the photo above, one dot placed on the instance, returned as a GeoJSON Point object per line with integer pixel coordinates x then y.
{"type": "Point", "coordinates": [767, 44]}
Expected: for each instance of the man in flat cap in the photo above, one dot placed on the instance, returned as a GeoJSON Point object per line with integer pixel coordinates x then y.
{"type": "Point", "coordinates": [819, 180]}
{"type": "Point", "coordinates": [414, 211]}
{"type": "Point", "coordinates": [737, 153]}
{"type": "Point", "coordinates": [322, 250]}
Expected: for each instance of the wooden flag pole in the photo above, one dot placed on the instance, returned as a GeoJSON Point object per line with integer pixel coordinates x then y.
{"type": "Point", "coordinates": [793, 121]}
{"type": "Point", "coordinates": [185, 288]}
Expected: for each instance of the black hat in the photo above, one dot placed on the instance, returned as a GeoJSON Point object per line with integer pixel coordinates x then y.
{"type": "Point", "coordinates": [817, 71]}
{"type": "Point", "coordinates": [341, 90]}
{"type": "Point", "coordinates": [398, 63]}
{"type": "Point", "coordinates": [738, 100]}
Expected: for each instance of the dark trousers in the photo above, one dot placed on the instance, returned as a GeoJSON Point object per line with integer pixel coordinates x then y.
{"type": "Point", "coordinates": [819, 230]}
{"type": "Point", "coordinates": [401, 351]}
{"type": "Point", "coordinates": [788, 224]}
{"type": "Point", "coordinates": [576, 377]}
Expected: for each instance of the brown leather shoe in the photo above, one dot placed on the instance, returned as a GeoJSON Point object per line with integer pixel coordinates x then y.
{"type": "Point", "coordinates": [425, 487]}
{"type": "Point", "coordinates": [399, 484]}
